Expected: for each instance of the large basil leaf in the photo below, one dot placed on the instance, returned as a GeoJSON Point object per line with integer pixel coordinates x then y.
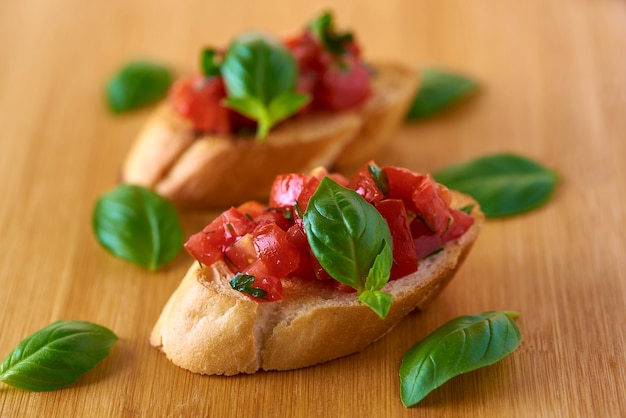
{"type": "Point", "coordinates": [56, 355]}
{"type": "Point", "coordinates": [503, 184]}
{"type": "Point", "coordinates": [459, 346]}
{"type": "Point", "coordinates": [136, 84]}
{"type": "Point", "coordinates": [261, 76]}
{"type": "Point", "coordinates": [438, 91]}
{"type": "Point", "coordinates": [351, 240]}
{"type": "Point", "coordinates": [138, 225]}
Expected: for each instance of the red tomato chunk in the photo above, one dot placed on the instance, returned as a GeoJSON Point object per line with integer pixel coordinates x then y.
{"type": "Point", "coordinates": [269, 242]}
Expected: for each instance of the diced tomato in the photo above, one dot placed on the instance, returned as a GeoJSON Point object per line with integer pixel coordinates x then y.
{"type": "Point", "coordinates": [404, 257]}
{"type": "Point", "coordinates": [431, 206]}
{"type": "Point", "coordinates": [307, 191]}
{"type": "Point", "coordinates": [275, 251]}
{"type": "Point", "coordinates": [461, 222]}
{"type": "Point", "coordinates": [401, 183]}
{"type": "Point", "coordinates": [199, 99]}
{"type": "Point", "coordinates": [208, 245]}
{"type": "Point", "coordinates": [286, 189]}
{"type": "Point", "coordinates": [265, 281]}
{"type": "Point", "coordinates": [241, 253]}
{"type": "Point", "coordinates": [363, 183]}
{"type": "Point", "coordinates": [251, 209]}
{"type": "Point", "coordinates": [344, 85]}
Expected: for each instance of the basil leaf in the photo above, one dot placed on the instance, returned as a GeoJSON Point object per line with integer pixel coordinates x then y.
{"type": "Point", "coordinates": [379, 302]}
{"type": "Point", "coordinates": [503, 184]}
{"type": "Point", "coordinates": [461, 345]}
{"type": "Point", "coordinates": [258, 70]}
{"type": "Point", "coordinates": [136, 84]}
{"type": "Point", "coordinates": [243, 283]}
{"type": "Point", "coordinates": [439, 91]}
{"type": "Point", "coordinates": [138, 225]}
{"type": "Point", "coordinates": [349, 237]}
{"type": "Point", "coordinates": [209, 63]}
{"type": "Point", "coordinates": [56, 355]}
{"type": "Point", "coordinates": [323, 28]}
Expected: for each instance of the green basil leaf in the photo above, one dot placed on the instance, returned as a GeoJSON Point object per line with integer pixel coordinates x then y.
{"type": "Point", "coordinates": [461, 345]}
{"type": "Point", "coordinates": [503, 184]}
{"type": "Point", "coordinates": [137, 84]}
{"type": "Point", "coordinates": [348, 236]}
{"type": "Point", "coordinates": [286, 104]}
{"type": "Point", "coordinates": [439, 91]}
{"type": "Point", "coordinates": [323, 28]}
{"type": "Point", "coordinates": [259, 67]}
{"type": "Point", "coordinates": [243, 283]}
{"type": "Point", "coordinates": [254, 109]}
{"type": "Point", "coordinates": [56, 355]}
{"type": "Point", "coordinates": [379, 302]}
{"type": "Point", "coordinates": [138, 225]}
{"type": "Point", "coordinates": [209, 63]}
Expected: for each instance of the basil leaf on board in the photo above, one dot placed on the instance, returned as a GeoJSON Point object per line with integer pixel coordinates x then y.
{"type": "Point", "coordinates": [461, 345]}
{"type": "Point", "coordinates": [350, 239]}
{"type": "Point", "coordinates": [136, 84]}
{"type": "Point", "coordinates": [243, 283]}
{"type": "Point", "coordinates": [56, 355]}
{"type": "Point", "coordinates": [439, 91]}
{"type": "Point", "coordinates": [261, 77]}
{"type": "Point", "coordinates": [503, 184]}
{"type": "Point", "coordinates": [138, 225]}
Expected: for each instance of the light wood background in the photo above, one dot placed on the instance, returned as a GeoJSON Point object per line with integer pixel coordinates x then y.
{"type": "Point", "coordinates": [554, 89]}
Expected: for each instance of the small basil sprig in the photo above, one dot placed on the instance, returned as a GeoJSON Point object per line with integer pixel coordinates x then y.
{"type": "Point", "coordinates": [438, 91]}
{"type": "Point", "coordinates": [138, 225]}
{"type": "Point", "coordinates": [210, 63]}
{"type": "Point", "coordinates": [243, 283]}
{"type": "Point", "coordinates": [261, 76]}
{"type": "Point", "coordinates": [136, 84]}
{"type": "Point", "coordinates": [323, 28]}
{"type": "Point", "coordinates": [352, 242]}
{"type": "Point", "coordinates": [503, 184]}
{"type": "Point", "coordinates": [459, 346]}
{"type": "Point", "coordinates": [56, 355]}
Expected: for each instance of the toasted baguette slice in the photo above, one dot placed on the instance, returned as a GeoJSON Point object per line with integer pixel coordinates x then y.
{"type": "Point", "coordinates": [209, 328]}
{"type": "Point", "coordinates": [216, 172]}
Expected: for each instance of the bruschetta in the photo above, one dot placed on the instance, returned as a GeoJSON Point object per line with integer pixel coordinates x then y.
{"type": "Point", "coordinates": [269, 289]}
{"type": "Point", "coordinates": [222, 135]}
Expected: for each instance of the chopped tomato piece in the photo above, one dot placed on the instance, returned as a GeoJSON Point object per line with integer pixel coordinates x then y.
{"type": "Point", "coordinates": [404, 257]}
{"type": "Point", "coordinates": [431, 206]}
{"type": "Point", "coordinates": [275, 251]}
{"type": "Point", "coordinates": [199, 99]}
{"type": "Point", "coordinates": [344, 85]}
{"type": "Point", "coordinates": [265, 281]}
{"type": "Point", "coordinates": [461, 222]}
{"type": "Point", "coordinates": [241, 253]}
{"type": "Point", "coordinates": [363, 183]}
{"type": "Point", "coordinates": [286, 189]}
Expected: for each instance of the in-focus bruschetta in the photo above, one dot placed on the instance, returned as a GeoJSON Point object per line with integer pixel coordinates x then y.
{"type": "Point", "coordinates": [329, 266]}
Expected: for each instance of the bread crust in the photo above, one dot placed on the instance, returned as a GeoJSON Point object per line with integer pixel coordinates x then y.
{"type": "Point", "coordinates": [207, 327]}
{"type": "Point", "coordinates": [215, 172]}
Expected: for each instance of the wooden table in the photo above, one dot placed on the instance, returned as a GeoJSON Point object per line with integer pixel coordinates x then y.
{"type": "Point", "coordinates": [554, 89]}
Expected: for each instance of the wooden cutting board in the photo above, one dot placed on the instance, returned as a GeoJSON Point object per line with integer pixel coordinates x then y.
{"type": "Point", "coordinates": [553, 80]}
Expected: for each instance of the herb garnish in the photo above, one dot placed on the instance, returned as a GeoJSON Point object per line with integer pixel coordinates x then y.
{"type": "Point", "coordinates": [138, 225]}
{"type": "Point", "coordinates": [352, 242]}
{"type": "Point", "coordinates": [243, 283]}
{"type": "Point", "coordinates": [136, 84]}
{"type": "Point", "coordinates": [56, 355]}
{"type": "Point", "coordinates": [503, 184]}
{"type": "Point", "coordinates": [461, 345]}
{"type": "Point", "coordinates": [324, 29]}
{"type": "Point", "coordinates": [261, 76]}
{"type": "Point", "coordinates": [439, 91]}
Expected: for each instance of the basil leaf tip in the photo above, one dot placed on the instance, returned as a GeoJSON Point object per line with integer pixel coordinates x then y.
{"type": "Point", "coordinates": [461, 345]}
{"type": "Point", "coordinates": [137, 225]}
{"type": "Point", "coordinates": [56, 356]}
{"type": "Point", "coordinates": [439, 91]}
{"type": "Point", "coordinates": [352, 242]}
{"type": "Point", "coordinates": [503, 184]}
{"type": "Point", "coordinates": [137, 84]}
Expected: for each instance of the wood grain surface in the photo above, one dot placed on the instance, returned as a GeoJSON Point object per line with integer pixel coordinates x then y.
{"type": "Point", "coordinates": [553, 77]}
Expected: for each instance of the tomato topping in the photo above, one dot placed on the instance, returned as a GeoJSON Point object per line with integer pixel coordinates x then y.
{"type": "Point", "coordinates": [404, 256]}
{"type": "Point", "coordinates": [270, 243]}
{"type": "Point", "coordinates": [344, 85]}
{"type": "Point", "coordinates": [198, 99]}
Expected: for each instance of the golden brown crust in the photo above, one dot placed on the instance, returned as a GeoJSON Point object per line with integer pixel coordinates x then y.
{"type": "Point", "coordinates": [310, 325]}
{"type": "Point", "coordinates": [216, 172]}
